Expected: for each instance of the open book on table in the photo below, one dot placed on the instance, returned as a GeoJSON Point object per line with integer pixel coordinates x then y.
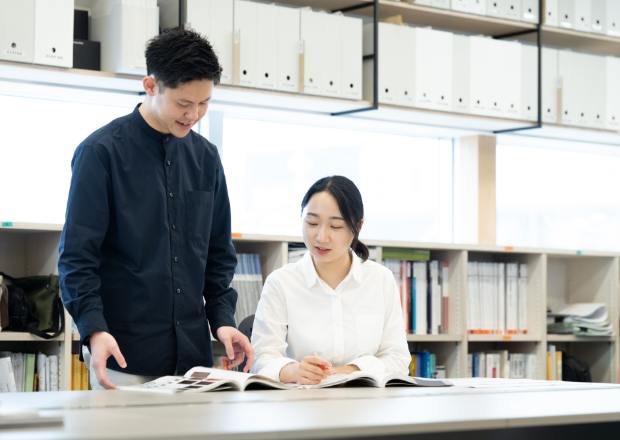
{"type": "Point", "coordinates": [202, 379]}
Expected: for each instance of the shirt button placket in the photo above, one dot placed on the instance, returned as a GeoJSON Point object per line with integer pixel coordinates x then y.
{"type": "Point", "coordinates": [338, 329]}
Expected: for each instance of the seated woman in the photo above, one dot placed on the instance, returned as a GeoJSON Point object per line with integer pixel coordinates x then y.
{"type": "Point", "coordinates": [333, 301]}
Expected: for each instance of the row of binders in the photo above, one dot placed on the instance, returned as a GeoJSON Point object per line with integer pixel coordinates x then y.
{"type": "Point", "coordinates": [424, 291]}
{"type": "Point", "coordinates": [276, 47]}
{"type": "Point", "coordinates": [80, 375]}
{"type": "Point", "coordinates": [424, 364]}
{"type": "Point", "coordinates": [437, 70]}
{"type": "Point", "coordinates": [248, 282]}
{"type": "Point", "coordinates": [502, 364]}
{"type": "Point", "coordinates": [496, 298]}
{"type": "Point", "coordinates": [27, 372]}
{"type": "Point", "coordinates": [596, 16]}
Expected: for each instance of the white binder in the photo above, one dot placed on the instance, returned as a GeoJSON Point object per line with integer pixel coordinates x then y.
{"type": "Point", "coordinates": [506, 79]}
{"type": "Point", "coordinates": [461, 5]}
{"type": "Point", "coordinates": [288, 50]}
{"type": "Point", "coordinates": [17, 30]}
{"type": "Point", "coordinates": [245, 38]}
{"type": "Point", "coordinates": [442, 4]}
{"type": "Point", "coordinates": [478, 7]}
{"type": "Point", "coordinates": [406, 66]}
{"type": "Point", "coordinates": [123, 28]}
{"type": "Point", "coordinates": [352, 58]}
{"type": "Point", "coordinates": [566, 14]}
{"type": "Point", "coordinates": [331, 48]}
{"type": "Point", "coordinates": [577, 107]}
{"type": "Point", "coordinates": [599, 16]}
{"type": "Point", "coordinates": [310, 30]}
{"type": "Point", "coordinates": [612, 81]}
{"type": "Point", "coordinates": [53, 32]}
{"type": "Point", "coordinates": [460, 73]}
{"type": "Point", "coordinates": [529, 11]}
{"type": "Point", "coordinates": [596, 91]}
{"type": "Point", "coordinates": [480, 75]}
{"type": "Point", "coordinates": [550, 83]}
{"type": "Point", "coordinates": [613, 18]}
{"type": "Point", "coordinates": [494, 8]}
{"type": "Point", "coordinates": [213, 19]}
{"type": "Point", "coordinates": [529, 82]}
{"type": "Point", "coordinates": [433, 88]}
{"type": "Point", "coordinates": [551, 13]}
{"type": "Point", "coordinates": [388, 65]}
{"type": "Point", "coordinates": [266, 46]}
{"type": "Point", "coordinates": [583, 15]}
{"type": "Point", "coordinates": [511, 9]}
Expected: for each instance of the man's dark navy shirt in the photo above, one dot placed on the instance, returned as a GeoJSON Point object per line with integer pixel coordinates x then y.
{"type": "Point", "coordinates": [147, 236]}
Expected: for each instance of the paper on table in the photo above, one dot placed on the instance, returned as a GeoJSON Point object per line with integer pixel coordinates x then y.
{"type": "Point", "coordinates": [482, 382]}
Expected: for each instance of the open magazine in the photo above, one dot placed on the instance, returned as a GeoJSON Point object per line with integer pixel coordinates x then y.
{"type": "Point", "coordinates": [202, 379]}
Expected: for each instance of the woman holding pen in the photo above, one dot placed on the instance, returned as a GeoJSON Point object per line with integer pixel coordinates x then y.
{"type": "Point", "coordinates": [334, 311]}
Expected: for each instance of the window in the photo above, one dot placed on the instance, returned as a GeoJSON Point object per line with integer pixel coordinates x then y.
{"type": "Point", "coordinates": [558, 199]}
{"type": "Point", "coordinates": [403, 180]}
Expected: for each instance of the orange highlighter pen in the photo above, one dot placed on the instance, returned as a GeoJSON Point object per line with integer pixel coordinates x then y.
{"type": "Point", "coordinates": [322, 367]}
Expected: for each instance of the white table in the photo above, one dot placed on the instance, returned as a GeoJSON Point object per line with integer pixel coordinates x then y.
{"type": "Point", "coordinates": [327, 413]}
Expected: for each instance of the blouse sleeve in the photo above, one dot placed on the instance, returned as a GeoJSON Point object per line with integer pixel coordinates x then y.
{"type": "Point", "coordinates": [269, 333]}
{"type": "Point", "coordinates": [393, 355]}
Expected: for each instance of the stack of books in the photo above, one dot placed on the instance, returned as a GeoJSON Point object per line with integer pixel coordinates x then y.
{"type": "Point", "coordinates": [248, 282]}
{"type": "Point", "coordinates": [502, 364]}
{"type": "Point", "coordinates": [554, 363]}
{"type": "Point", "coordinates": [424, 290]}
{"type": "Point", "coordinates": [496, 298]}
{"type": "Point", "coordinates": [424, 364]}
{"type": "Point", "coordinates": [27, 372]}
{"type": "Point", "coordinates": [579, 319]}
{"type": "Point", "coordinates": [80, 375]}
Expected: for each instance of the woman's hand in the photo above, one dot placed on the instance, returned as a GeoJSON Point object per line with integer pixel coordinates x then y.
{"type": "Point", "coordinates": [308, 372]}
{"type": "Point", "coordinates": [348, 369]}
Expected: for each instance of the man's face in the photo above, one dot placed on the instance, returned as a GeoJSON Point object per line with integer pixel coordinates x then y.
{"type": "Point", "coordinates": [177, 110]}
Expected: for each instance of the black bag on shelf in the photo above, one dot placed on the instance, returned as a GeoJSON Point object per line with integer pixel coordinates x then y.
{"type": "Point", "coordinates": [35, 306]}
{"type": "Point", "coordinates": [575, 370]}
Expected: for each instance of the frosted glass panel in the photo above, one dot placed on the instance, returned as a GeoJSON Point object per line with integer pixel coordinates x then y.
{"type": "Point", "coordinates": [558, 199]}
{"type": "Point", "coordinates": [39, 138]}
{"type": "Point", "coordinates": [269, 167]}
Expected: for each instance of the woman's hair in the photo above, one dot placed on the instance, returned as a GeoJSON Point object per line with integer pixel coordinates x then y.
{"type": "Point", "coordinates": [178, 56]}
{"type": "Point", "coordinates": [349, 200]}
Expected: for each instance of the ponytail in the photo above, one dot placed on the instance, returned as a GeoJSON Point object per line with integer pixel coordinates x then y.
{"type": "Point", "coordinates": [360, 249]}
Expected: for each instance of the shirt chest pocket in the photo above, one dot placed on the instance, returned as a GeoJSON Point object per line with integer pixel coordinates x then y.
{"type": "Point", "coordinates": [199, 210]}
{"type": "Point", "coordinates": [369, 332]}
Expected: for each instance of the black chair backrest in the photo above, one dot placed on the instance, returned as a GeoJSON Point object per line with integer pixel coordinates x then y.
{"type": "Point", "coordinates": [246, 328]}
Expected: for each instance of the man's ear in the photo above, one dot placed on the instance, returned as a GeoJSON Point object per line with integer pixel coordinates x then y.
{"type": "Point", "coordinates": [150, 85]}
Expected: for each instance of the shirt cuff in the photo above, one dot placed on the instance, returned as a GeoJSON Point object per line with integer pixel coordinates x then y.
{"type": "Point", "coordinates": [90, 323]}
{"type": "Point", "coordinates": [371, 364]}
{"type": "Point", "coordinates": [273, 368]}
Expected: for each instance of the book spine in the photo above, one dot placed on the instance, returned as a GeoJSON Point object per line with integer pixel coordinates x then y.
{"type": "Point", "coordinates": [53, 373]}
{"type": "Point", "coordinates": [85, 375]}
{"type": "Point", "coordinates": [445, 293]}
{"type": "Point", "coordinates": [76, 376]}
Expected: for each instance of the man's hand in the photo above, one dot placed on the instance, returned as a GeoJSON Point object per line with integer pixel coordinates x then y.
{"type": "Point", "coordinates": [237, 346]}
{"type": "Point", "coordinates": [102, 346]}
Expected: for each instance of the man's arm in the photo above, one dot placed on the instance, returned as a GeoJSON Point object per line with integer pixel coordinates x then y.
{"type": "Point", "coordinates": [221, 299]}
{"type": "Point", "coordinates": [86, 224]}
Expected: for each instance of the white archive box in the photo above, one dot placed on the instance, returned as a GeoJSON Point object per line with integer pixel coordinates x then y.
{"type": "Point", "coordinates": [613, 93]}
{"type": "Point", "coordinates": [245, 43]}
{"type": "Point", "coordinates": [460, 73]}
{"type": "Point", "coordinates": [582, 106]}
{"type": "Point", "coordinates": [478, 7]}
{"type": "Point", "coordinates": [599, 16]}
{"type": "Point", "coordinates": [566, 14]}
{"type": "Point", "coordinates": [266, 47]}
{"type": "Point", "coordinates": [123, 28]}
{"type": "Point", "coordinates": [310, 32]}
{"type": "Point", "coordinates": [480, 75]}
{"type": "Point", "coordinates": [442, 4]}
{"type": "Point", "coordinates": [596, 91]}
{"type": "Point", "coordinates": [213, 19]}
{"type": "Point", "coordinates": [53, 32]}
{"type": "Point", "coordinates": [17, 30]}
{"type": "Point", "coordinates": [550, 83]}
{"type": "Point", "coordinates": [461, 5]}
{"type": "Point", "coordinates": [551, 12]}
{"type": "Point", "coordinates": [433, 75]}
{"type": "Point", "coordinates": [529, 82]}
{"type": "Point", "coordinates": [511, 9]}
{"type": "Point", "coordinates": [405, 66]}
{"type": "Point", "coordinates": [288, 50]}
{"type": "Point", "coordinates": [583, 15]}
{"type": "Point", "coordinates": [331, 48]}
{"type": "Point", "coordinates": [494, 8]}
{"type": "Point", "coordinates": [612, 10]}
{"type": "Point", "coordinates": [388, 65]}
{"type": "Point", "coordinates": [529, 11]}
{"type": "Point", "coordinates": [352, 58]}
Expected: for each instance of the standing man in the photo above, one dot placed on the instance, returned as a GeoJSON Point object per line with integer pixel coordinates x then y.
{"type": "Point", "coordinates": [147, 233]}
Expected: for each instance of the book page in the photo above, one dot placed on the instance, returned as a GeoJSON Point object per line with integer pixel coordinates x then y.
{"type": "Point", "coordinates": [181, 384]}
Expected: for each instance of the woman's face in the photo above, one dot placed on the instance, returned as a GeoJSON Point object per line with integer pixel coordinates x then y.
{"type": "Point", "coordinates": [325, 232]}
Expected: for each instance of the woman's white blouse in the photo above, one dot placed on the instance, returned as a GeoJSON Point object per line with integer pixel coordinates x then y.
{"type": "Point", "coordinates": [359, 323]}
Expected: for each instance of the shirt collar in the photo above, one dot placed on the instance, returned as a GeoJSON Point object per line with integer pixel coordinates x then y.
{"type": "Point", "coordinates": [145, 127]}
{"type": "Point", "coordinates": [312, 277]}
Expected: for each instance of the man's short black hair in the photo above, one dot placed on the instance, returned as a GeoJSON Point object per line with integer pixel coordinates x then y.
{"type": "Point", "coordinates": [178, 56]}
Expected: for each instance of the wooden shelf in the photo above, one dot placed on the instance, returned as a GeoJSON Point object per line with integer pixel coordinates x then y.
{"type": "Point", "coordinates": [434, 338]}
{"type": "Point", "coordinates": [6, 336]}
{"type": "Point", "coordinates": [574, 338]}
{"type": "Point", "coordinates": [20, 227]}
{"type": "Point", "coordinates": [504, 338]}
{"type": "Point", "coordinates": [571, 39]}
